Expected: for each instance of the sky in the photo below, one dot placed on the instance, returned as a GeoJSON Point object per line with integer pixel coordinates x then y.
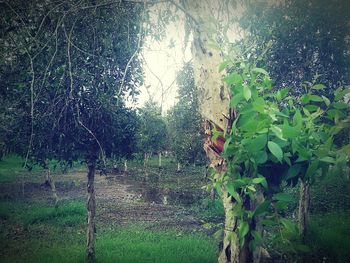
{"type": "Point", "coordinates": [161, 62]}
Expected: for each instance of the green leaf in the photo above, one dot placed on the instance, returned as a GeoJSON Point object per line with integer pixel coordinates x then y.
{"type": "Point", "coordinates": [302, 248]}
{"type": "Point", "coordinates": [223, 65]}
{"type": "Point", "coordinates": [341, 105]}
{"type": "Point", "coordinates": [216, 134]}
{"type": "Point", "coordinates": [260, 70]}
{"type": "Point", "coordinates": [233, 79]}
{"type": "Point", "coordinates": [313, 166]}
{"type": "Point", "coordinates": [251, 188]}
{"type": "Point", "coordinates": [281, 205]}
{"type": "Point", "coordinates": [262, 208]}
{"type": "Point", "coordinates": [260, 157]}
{"type": "Point", "coordinates": [276, 150]}
{"type": "Point", "coordinates": [231, 190]}
{"type": "Point", "coordinates": [284, 92]}
{"type": "Point", "coordinates": [307, 113]}
{"type": "Point", "coordinates": [283, 197]}
{"type": "Point", "coordinates": [257, 237]}
{"type": "Point", "coordinates": [267, 222]}
{"type": "Point", "coordinates": [243, 229]}
{"type": "Point", "coordinates": [293, 171]}
{"type": "Point", "coordinates": [318, 87]}
{"type": "Point", "coordinates": [297, 119]}
{"type": "Point", "coordinates": [277, 131]}
{"type": "Point", "coordinates": [247, 92]}
{"type": "Point", "coordinates": [236, 99]}
{"type": "Point", "coordinates": [259, 105]}
{"type": "Point", "coordinates": [289, 132]}
{"type": "Point", "coordinates": [289, 225]}
{"type": "Point", "coordinates": [256, 144]}
{"type": "Point", "coordinates": [315, 98]}
{"type": "Point", "coordinates": [260, 180]}
{"type": "Point", "coordinates": [326, 101]}
{"type": "Point", "coordinates": [305, 99]}
{"type": "Point", "coordinates": [312, 108]}
{"type": "Point", "coordinates": [327, 159]}
{"type": "Point", "coordinates": [246, 124]}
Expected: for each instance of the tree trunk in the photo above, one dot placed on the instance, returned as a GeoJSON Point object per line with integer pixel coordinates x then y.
{"type": "Point", "coordinates": [50, 182]}
{"type": "Point", "coordinates": [145, 159]}
{"type": "Point", "coordinates": [214, 102]}
{"type": "Point", "coordinates": [304, 201]}
{"type": "Point", "coordinates": [91, 209]}
{"type": "Point", "coordinates": [232, 250]}
{"type": "Point", "coordinates": [212, 194]}
{"type": "Point", "coordinates": [160, 159]}
{"type": "Point", "coordinates": [126, 166]}
{"type": "Point", "coordinates": [178, 167]}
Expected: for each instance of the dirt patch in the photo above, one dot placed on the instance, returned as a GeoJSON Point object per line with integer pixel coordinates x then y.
{"type": "Point", "coordinates": [120, 199]}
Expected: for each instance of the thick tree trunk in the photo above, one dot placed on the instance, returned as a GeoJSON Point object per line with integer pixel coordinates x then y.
{"type": "Point", "coordinates": [91, 209]}
{"type": "Point", "coordinates": [160, 159]}
{"type": "Point", "coordinates": [214, 103]}
{"type": "Point", "coordinates": [304, 201]}
{"type": "Point", "coordinates": [232, 250]}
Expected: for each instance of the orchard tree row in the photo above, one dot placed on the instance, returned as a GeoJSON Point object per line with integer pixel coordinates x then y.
{"type": "Point", "coordinates": [270, 79]}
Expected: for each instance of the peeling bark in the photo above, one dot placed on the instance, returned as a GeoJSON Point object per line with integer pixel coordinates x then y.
{"type": "Point", "coordinates": [304, 201]}
{"type": "Point", "coordinates": [91, 210]}
{"type": "Point", "coordinates": [214, 103]}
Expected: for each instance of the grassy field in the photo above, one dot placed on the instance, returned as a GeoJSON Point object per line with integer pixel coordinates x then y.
{"type": "Point", "coordinates": [42, 233]}
{"type": "Point", "coordinates": [34, 230]}
{"type": "Point", "coordinates": [135, 225]}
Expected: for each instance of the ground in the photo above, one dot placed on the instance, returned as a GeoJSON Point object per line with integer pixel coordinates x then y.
{"type": "Point", "coordinates": [148, 215]}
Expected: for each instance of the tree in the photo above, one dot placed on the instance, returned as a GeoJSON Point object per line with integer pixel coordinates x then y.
{"type": "Point", "coordinates": [307, 39]}
{"type": "Point", "coordinates": [82, 60]}
{"type": "Point", "coordinates": [212, 26]}
{"type": "Point", "coordinates": [184, 120]}
{"type": "Point", "coordinates": [152, 133]}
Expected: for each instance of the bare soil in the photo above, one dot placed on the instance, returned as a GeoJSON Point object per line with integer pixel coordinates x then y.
{"type": "Point", "coordinates": [120, 199]}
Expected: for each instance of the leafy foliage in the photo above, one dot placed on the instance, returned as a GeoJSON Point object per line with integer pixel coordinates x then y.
{"type": "Point", "coordinates": [152, 132]}
{"type": "Point", "coordinates": [299, 40]}
{"type": "Point", "coordinates": [82, 66]}
{"type": "Point", "coordinates": [290, 138]}
{"type": "Point", "coordinates": [184, 120]}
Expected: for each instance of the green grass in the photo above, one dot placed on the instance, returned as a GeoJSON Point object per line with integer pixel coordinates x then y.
{"type": "Point", "coordinates": [131, 244]}
{"type": "Point", "coordinates": [136, 244]}
{"type": "Point", "coordinates": [329, 236]}
{"type": "Point", "coordinates": [40, 232]}
{"type": "Point", "coordinates": [11, 169]}
{"type": "Point", "coordinates": [27, 214]}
